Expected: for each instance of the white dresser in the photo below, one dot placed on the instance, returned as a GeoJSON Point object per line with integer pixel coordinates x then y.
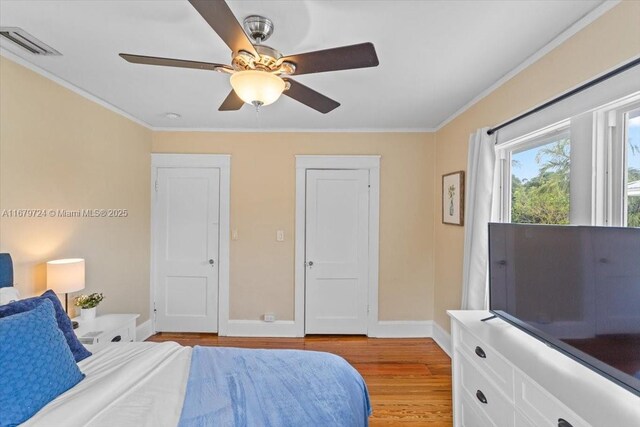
{"type": "Point", "coordinates": [503, 377]}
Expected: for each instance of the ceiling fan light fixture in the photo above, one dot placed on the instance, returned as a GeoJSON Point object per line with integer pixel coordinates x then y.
{"type": "Point", "coordinates": [257, 87]}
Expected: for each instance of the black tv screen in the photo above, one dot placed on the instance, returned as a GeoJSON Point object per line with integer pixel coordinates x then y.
{"type": "Point", "coordinates": [575, 287]}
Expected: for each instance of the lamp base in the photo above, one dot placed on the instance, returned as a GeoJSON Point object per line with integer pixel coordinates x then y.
{"type": "Point", "coordinates": [74, 324]}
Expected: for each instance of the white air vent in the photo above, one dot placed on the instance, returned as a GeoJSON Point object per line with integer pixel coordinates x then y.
{"type": "Point", "coordinates": [26, 41]}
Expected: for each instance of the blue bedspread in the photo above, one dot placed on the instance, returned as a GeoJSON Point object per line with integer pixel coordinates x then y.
{"type": "Point", "coordinates": [279, 388]}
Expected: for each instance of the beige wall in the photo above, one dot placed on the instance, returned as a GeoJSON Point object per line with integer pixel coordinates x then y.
{"type": "Point", "coordinates": [611, 40]}
{"type": "Point", "coordinates": [59, 150]}
{"type": "Point", "coordinates": [263, 201]}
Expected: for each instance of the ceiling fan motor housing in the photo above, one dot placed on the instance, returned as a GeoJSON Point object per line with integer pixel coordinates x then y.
{"type": "Point", "coordinates": [269, 61]}
{"type": "Point", "coordinates": [258, 28]}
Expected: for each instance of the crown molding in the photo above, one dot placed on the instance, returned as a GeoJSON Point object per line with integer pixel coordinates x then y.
{"type": "Point", "coordinates": [79, 91]}
{"type": "Point", "coordinates": [294, 130]}
{"type": "Point", "coordinates": [68, 85]}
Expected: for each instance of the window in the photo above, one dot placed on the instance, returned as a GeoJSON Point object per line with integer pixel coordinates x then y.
{"type": "Point", "coordinates": [583, 170]}
{"type": "Point", "coordinates": [536, 176]}
{"type": "Point", "coordinates": [621, 162]}
{"type": "Point", "coordinates": [632, 168]}
{"type": "Point", "coordinates": [540, 192]}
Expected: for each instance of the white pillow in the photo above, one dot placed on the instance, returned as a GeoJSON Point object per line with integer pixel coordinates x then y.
{"type": "Point", "coordinates": [8, 295]}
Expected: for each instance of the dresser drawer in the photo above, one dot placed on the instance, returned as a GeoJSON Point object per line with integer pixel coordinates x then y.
{"type": "Point", "coordinates": [485, 396]}
{"type": "Point", "coordinates": [96, 333]}
{"type": "Point", "coordinates": [119, 335]}
{"type": "Point", "coordinates": [491, 362]}
{"type": "Point", "coordinates": [541, 407]}
{"type": "Point", "coordinates": [470, 416]}
{"type": "Point", "coordinates": [122, 334]}
{"type": "Point", "coordinates": [522, 421]}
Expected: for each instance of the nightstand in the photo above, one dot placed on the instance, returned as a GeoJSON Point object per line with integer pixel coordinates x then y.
{"type": "Point", "coordinates": [97, 333]}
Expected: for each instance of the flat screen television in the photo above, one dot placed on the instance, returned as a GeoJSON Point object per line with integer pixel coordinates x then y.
{"type": "Point", "coordinates": [576, 288]}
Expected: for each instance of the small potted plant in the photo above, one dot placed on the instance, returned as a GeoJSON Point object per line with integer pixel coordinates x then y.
{"type": "Point", "coordinates": [88, 304]}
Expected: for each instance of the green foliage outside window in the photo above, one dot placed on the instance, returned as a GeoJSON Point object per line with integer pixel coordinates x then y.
{"type": "Point", "coordinates": [544, 199]}
{"type": "Point", "coordinates": [633, 173]}
{"type": "Point", "coordinates": [633, 203]}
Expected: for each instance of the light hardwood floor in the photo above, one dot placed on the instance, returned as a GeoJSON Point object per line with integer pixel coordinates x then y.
{"type": "Point", "coordinates": [409, 380]}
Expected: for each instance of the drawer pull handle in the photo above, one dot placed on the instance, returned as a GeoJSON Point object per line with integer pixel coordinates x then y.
{"type": "Point", "coordinates": [117, 338]}
{"type": "Point", "coordinates": [563, 423]}
{"type": "Point", "coordinates": [481, 397]}
{"type": "Point", "coordinates": [480, 352]}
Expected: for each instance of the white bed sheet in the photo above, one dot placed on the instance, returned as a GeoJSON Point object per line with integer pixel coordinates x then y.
{"type": "Point", "coordinates": [126, 384]}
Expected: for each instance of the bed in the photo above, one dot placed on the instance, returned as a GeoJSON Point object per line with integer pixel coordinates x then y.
{"type": "Point", "coordinates": [160, 384]}
{"type": "Point", "coordinates": [166, 384]}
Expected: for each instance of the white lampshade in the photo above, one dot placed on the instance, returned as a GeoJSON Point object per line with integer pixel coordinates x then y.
{"type": "Point", "coordinates": [65, 275]}
{"type": "Point", "coordinates": [257, 87]}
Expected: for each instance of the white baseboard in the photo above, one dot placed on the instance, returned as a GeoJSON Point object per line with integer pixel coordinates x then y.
{"type": "Point", "coordinates": [287, 328]}
{"type": "Point", "coordinates": [403, 329]}
{"type": "Point", "coordinates": [144, 330]}
{"type": "Point", "coordinates": [442, 338]}
{"type": "Point", "coordinates": [258, 328]}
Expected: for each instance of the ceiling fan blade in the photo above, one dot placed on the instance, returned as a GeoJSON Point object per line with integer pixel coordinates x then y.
{"type": "Point", "coordinates": [340, 58]}
{"type": "Point", "coordinates": [310, 97]}
{"type": "Point", "coordinates": [168, 62]}
{"type": "Point", "coordinates": [232, 102]}
{"type": "Point", "coordinates": [221, 19]}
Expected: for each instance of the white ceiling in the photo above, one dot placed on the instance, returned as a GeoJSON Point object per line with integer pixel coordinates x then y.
{"type": "Point", "coordinates": [435, 56]}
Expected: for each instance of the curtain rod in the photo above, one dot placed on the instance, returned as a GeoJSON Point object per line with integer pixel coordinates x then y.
{"type": "Point", "coordinates": [564, 96]}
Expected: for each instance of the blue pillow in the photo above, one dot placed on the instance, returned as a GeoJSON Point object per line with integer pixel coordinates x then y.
{"type": "Point", "coordinates": [64, 323]}
{"type": "Point", "coordinates": [36, 365]}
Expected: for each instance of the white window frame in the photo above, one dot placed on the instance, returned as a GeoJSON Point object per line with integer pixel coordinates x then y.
{"type": "Point", "coordinates": [610, 141]}
{"type": "Point", "coordinates": [505, 156]}
{"type": "Point", "coordinates": [598, 163]}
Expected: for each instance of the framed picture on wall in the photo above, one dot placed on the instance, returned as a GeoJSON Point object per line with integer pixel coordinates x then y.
{"type": "Point", "coordinates": [453, 198]}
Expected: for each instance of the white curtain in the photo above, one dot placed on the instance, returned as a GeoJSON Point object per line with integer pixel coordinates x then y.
{"type": "Point", "coordinates": [482, 204]}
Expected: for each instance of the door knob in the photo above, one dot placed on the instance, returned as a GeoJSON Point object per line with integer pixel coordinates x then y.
{"type": "Point", "coordinates": [211, 262]}
{"type": "Point", "coordinates": [310, 263]}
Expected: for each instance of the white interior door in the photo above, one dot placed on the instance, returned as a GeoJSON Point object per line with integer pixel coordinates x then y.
{"type": "Point", "coordinates": [186, 249]}
{"type": "Point", "coordinates": [337, 227]}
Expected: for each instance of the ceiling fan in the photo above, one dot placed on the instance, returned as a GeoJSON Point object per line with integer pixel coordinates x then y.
{"type": "Point", "coordinates": [259, 73]}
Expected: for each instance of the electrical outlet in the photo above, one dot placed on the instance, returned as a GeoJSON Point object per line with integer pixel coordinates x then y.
{"type": "Point", "coordinates": [280, 235]}
{"type": "Point", "coordinates": [269, 317]}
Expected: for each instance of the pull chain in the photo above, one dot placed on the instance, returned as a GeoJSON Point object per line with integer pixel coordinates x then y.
{"type": "Point", "coordinates": [257, 104]}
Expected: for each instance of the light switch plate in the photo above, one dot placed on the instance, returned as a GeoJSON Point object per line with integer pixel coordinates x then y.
{"type": "Point", "coordinates": [234, 234]}
{"type": "Point", "coordinates": [280, 235]}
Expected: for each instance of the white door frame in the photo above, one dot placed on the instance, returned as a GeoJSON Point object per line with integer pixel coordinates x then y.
{"type": "Point", "coordinates": [370, 163]}
{"type": "Point", "coordinates": [219, 161]}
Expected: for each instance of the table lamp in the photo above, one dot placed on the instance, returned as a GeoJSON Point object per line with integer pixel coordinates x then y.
{"type": "Point", "coordinates": [65, 276]}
